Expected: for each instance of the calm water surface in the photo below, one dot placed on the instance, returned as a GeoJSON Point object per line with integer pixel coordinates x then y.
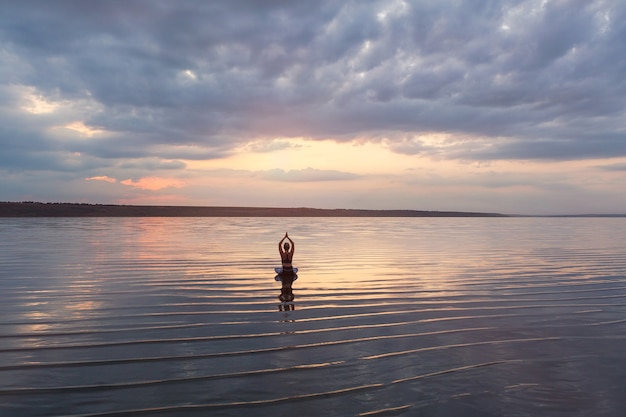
{"type": "Point", "coordinates": [401, 316]}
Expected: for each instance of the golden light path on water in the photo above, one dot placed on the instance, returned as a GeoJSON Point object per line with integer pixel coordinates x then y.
{"type": "Point", "coordinates": [393, 316]}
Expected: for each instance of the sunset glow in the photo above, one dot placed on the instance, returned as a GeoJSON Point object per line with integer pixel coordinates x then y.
{"type": "Point", "coordinates": [383, 105]}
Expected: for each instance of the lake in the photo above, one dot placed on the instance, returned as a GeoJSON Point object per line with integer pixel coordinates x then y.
{"type": "Point", "coordinates": [390, 317]}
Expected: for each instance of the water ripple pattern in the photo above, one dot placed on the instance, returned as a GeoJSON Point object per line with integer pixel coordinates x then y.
{"type": "Point", "coordinates": [389, 317]}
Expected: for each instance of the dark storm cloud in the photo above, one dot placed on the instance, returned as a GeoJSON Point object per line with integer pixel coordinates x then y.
{"type": "Point", "coordinates": [195, 79]}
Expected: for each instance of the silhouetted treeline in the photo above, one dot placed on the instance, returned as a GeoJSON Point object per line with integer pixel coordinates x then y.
{"type": "Point", "coordinates": [36, 209]}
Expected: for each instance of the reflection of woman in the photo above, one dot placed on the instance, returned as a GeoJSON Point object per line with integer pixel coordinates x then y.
{"type": "Point", "coordinates": [286, 292]}
{"type": "Point", "coordinates": [286, 248]}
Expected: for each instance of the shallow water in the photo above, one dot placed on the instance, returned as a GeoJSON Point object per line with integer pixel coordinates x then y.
{"type": "Point", "coordinates": [393, 316]}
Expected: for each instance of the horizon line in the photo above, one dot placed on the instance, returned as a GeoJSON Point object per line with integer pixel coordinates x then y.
{"type": "Point", "coordinates": [134, 210]}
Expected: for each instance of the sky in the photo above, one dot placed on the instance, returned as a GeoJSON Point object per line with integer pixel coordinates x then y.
{"type": "Point", "coordinates": [514, 107]}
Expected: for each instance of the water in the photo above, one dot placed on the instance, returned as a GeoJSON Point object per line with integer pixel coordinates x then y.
{"type": "Point", "coordinates": [400, 316]}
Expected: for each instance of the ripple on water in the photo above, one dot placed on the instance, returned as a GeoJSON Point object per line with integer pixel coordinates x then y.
{"type": "Point", "coordinates": [481, 317]}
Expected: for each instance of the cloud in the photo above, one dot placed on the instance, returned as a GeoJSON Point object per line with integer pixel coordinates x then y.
{"type": "Point", "coordinates": [102, 178]}
{"type": "Point", "coordinates": [81, 128]}
{"type": "Point", "coordinates": [306, 175]}
{"type": "Point", "coordinates": [151, 164]}
{"type": "Point", "coordinates": [259, 146]}
{"type": "Point", "coordinates": [146, 183]}
{"type": "Point", "coordinates": [128, 88]}
{"type": "Point", "coordinates": [153, 183]}
{"type": "Point", "coordinates": [214, 75]}
{"type": "Point", "coordinates": [619, 167]}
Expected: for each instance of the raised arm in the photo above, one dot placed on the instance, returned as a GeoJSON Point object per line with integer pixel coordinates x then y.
{"type": "Point", "coordinates": [280, 247]}
{"type": "Point", "coordinates": [293, 245]}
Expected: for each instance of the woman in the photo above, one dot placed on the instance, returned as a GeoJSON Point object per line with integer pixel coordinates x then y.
{"type": "Point", "coordinates": [286, 248]}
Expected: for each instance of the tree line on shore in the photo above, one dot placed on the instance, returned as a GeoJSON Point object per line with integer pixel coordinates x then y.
{"type": "Point", "coordinates": [39, 209]}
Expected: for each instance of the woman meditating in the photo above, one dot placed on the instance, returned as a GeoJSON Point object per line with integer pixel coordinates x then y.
{"type": "Point", "coordinates": [286, 248]}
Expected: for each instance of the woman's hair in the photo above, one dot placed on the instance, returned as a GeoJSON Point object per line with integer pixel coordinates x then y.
{"type": "Point", "coordinates": [286, 246]}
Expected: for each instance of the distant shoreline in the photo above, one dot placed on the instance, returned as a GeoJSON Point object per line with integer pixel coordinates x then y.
{"type": "Point", "coordinates": [37, 209]}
